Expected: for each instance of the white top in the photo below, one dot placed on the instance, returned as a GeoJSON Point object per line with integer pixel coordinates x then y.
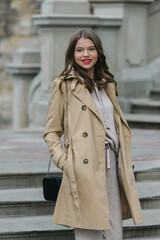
{"type": "Point", "coordinates": [106, 111]}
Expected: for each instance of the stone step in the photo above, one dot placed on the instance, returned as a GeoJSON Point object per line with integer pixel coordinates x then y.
{"type": "Point", "coordinates": [41, 227]}
{"type": "Point", "coordinates": [30, 201]}
{"type": "Point", "coordinates": [143, 238]}
{"type": "Point", "coordinates": [145, 175]}
{"type": "Point", "coordinates": [25, 173]}
{"type": "Point", "coordinates": [22, 180]}
{"type": "Point", "coordinates": [31, 174]}
{"type": "Point", "coordinates": [155, 94]}
{"type": "Point", "coordinates": [24, 202]}
{"type": "Point", "coordinates": [33, 228]}
{"type": "Point", "coordinates": [149, 194]}
{"type": "Point", "coordinates": [149, 228]}
{"type": "Point", "coordinates": [145, 105]}
{"type": "Point", "coordinates": [147, 170]}
{"type": "Point", "coordinates": [143, 121]}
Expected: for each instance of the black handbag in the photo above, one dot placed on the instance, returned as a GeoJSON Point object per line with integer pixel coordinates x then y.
{"type": "Point", "coordinates": [51, 187]}
{"type": "Point", "coordinates": [51, 184]}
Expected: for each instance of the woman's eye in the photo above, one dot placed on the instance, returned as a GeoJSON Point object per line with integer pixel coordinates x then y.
{"type": "Point", "coordinates": [79, 50]}
{"type": "Point", "coordinates": [92, 49]}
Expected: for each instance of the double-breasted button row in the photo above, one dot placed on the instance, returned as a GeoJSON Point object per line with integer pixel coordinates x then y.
{"type": "Point", "coordinates": [85, 161]}
{"type": "Point", "coordinates": [84, 107]}
{"type": "Point", "coordinates": [85, 134]}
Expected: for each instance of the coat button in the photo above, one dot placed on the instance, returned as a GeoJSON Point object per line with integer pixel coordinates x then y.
{"type": "Point", "coordinates": [85, 161]}
{"type": "Point", "coordinates": [84, 107]}
{"type": "Point", "coordinates": [85, 134]}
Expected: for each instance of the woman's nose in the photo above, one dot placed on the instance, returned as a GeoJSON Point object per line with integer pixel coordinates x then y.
{"type": "Point", "coordinates": [85, 53]}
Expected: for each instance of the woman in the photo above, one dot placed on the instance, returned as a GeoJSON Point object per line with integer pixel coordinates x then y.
{"type": "Point", "coordinates": [98, 187]}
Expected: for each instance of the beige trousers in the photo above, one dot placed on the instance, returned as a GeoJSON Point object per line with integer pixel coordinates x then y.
{"type": "Point", "coordinates": [115, 213]}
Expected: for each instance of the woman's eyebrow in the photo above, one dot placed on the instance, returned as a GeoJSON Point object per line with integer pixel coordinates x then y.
{"type": "Point", "coordinates": [87, 47]}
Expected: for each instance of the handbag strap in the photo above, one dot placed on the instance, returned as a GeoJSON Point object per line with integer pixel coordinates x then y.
{"type": "Point", "coordinates": [49, 165]}
{"type": "Point", "coordinates": [66, 120]}
{"type": "Point", "coordinates": [66, 144]}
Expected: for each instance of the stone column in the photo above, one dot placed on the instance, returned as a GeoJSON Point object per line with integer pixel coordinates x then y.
{"type": "Point", "coordinates": [109, 35]}
{"type": "Point", "coordinates": [133, 78]}
{"type": "Point", "coordinates": [26, 64]}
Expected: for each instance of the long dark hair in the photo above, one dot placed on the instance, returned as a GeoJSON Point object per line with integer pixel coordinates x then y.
{"type": "Point", "coordinates": [102, 74]}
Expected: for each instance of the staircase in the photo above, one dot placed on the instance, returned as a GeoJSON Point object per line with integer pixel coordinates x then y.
{"type": "Point", "coordinates": [147, 176]}
{"type": "Point", "coordinates": [145, 112]}
{"type": "Point", "coordinates": [23, 212]}
{"type": "Point", "coordinates": [24, 215]}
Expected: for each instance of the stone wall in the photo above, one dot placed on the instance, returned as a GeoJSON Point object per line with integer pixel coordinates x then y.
{"type": "Point", "coordinates": [16, 30]}
{"type": "Point", "coordinates": [129, 31]}
{"type": "Point", "coordinates": [153, 33]}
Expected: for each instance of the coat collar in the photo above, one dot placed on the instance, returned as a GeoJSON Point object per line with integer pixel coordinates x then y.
{"type": "Point", "coordinates": [82, 93]}
{"type": "Point", "coordinates": [84, 96]}
{"type": "Point", "coordinates": [110, 89]}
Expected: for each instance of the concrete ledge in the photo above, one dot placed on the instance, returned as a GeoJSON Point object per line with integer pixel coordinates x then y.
{"type": "Point", "coordinates": [22, 68]}
{"type": "Point", "coordinates": [61, 20]}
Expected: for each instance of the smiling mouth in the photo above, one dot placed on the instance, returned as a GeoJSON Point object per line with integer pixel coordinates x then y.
{"type": "Point", "coordinates": [86, 61]}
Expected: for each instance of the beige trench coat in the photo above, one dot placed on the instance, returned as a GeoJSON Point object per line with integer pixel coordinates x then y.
{"type": "Point", "coordinates": [82, 201]}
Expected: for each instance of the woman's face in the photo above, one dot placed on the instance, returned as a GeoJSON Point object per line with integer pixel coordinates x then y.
{"type": "Point", "coordinates": [86, 55]}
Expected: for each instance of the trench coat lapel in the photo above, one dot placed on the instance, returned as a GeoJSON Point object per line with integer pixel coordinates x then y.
{"type": "Point", "coordinates": [82, 93]}
{"type": "Point", "coordinates": [84, 96]}
{"type": "Point", "coordinates": [112, 94]}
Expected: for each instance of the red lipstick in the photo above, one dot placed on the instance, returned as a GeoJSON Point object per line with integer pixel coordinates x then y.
{"type": "Point", "coordinates": [87, 61]}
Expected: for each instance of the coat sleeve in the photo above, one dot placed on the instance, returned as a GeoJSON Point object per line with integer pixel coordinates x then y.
{"type": "Point", "coordinates": [54, 125]}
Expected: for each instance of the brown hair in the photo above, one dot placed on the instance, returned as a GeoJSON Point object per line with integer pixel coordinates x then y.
{"type": "Point", "coordinates": [101, 69]}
